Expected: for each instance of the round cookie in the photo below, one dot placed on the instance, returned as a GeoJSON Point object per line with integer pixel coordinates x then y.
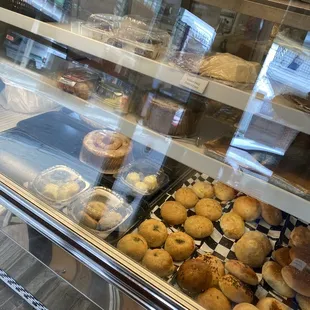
{"type": "Point", "coordinates": [215, 265]}
{"type": "Point", "coordinates": [282, 256]}
{"type": "Point", "coordinates": [154, 232]}
{"type": "Point", "coordinates": [241, 271]}
{"type": "Point", "coordinates": [159, 261]}
{"type": "Point", "coordinates": [235, 290]}
{"type": "Point", "coordinates": [194, 276]}
{"type": "Point", "coordinates": [186, 197]}
{"type": "Point", "coordinates": [223, 192]}
{"type": "Point", "coordinates": [180, 246]}
{"type": "Point", "coordinates": [303, 302]}
{"type": "Point", "coordinates": [269, 303]}
{"type": "Point", "coordinates": [300, 236]}
{"type": "Point", "coordinates": [203, 190]}
{"type": "Point", "coordinates": [248, 208]}
{"type": "Point", "coordinates": [213, 299]}
{"type": "Point", "coordinates": [272, 275]}
{"type": "Point", "coordinates": [198, 226]}
{"type": "Point", "coordinates": [245, 306]}
{"type": "Point", "coordinates": [209, 208]}
{"type": "Point", "coordinates": [133, 245]}
{"type": "Point", "coordinates": [232, 225]}
{"type": "Point", "coordinates": [271, 215]}
{"type": "Point", "coordinates": [173, 213]}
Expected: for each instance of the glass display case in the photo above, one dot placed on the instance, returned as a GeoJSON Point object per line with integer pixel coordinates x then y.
{"type": "Point", "coordinates": [162, 144]}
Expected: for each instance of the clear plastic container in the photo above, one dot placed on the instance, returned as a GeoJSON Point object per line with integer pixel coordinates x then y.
{"type": "Point", "coordinates": [100, 211]}
{"type": "Point", "coordinates": [81, 82]}
{"type": "Point", "coordinates": [59, 185]}
{"type": "Point", "coordinates": [101, 27]}
{"type": "Point", "coordinates": [146, 172]}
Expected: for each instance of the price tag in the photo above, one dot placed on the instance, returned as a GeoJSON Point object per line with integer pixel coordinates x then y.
{"type": "Point", "coordinates": [194, 82]}
{"type": "Point", "coordinates": [298, 264]}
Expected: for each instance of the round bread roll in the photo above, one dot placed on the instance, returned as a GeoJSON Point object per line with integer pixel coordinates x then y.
{"type": "Point", "coordinates": [235, 290]}
{"type": "Point", "coordinates": [209, 208]}
{"type": "Point", "coordinates": [203, 190]}
{"type": "Point", "coordinates": [232, 225]}
{"type": "Point", "coordinates": [244, 306]}
{"type": "Point", "coordinates": [223, 192]}
{"type": "Point", "coordinates": [213, 299]}
{"type": "Point", "coordinates": [215, 265]}
{"type": "Point", "coordinates": [302, 253]}
{"type": "Point", "coordinates": [159, 261]}
{"type": "Point", "coordinates": [300, 236]}
{"type": "Point", "coordinates": [303, 302]}
{"type": "Point", "coordinates": [272, 275]}
{"type": "Point", "coordinates": [154, 232]}
{"type": "Point", "coordinates": [133, 245]}
{"type": "Point", "coordinates": [198, 226]}
{"type": "Point", "coordinates": [269, 303]}
{"type": "Point", "coordinates": [173, 213]}
{"type": "Point", "coordinates": [271, 215]}
{"type": "Point", "coordinates": [248, 208]}
{"type": "Point", "coordinates": [180, 246]}
{"type": "Point", "coordinates": [282, 256]}
{"type": "Point", "coordinates": [242, 272]}
{"type": "Point", "coordinates": [297, 280]}
{"type": "Point", "coordinates": [194, 276]}
{"type": "Point", "coordinates": [252, 248]}
{"type": "Point", "coordinates": [186, 197]}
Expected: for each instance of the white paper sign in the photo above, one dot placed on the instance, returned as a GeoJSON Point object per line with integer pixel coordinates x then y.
{"type": "Point", "coordinates": [194, 82]}
{"type": "Point", "coordinates": [298, 264]}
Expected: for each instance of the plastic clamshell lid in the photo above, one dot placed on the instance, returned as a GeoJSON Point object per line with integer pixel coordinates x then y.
{"type": "Point", "coordinates": [113, 200]}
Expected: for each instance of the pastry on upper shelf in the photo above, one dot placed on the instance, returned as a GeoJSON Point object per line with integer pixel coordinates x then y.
{"type": "Point", "coordinates": [105, 150]}
{"type": "Point", "coordinates": [228, 67]}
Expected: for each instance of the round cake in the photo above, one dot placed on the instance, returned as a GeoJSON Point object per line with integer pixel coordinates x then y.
{"type": "Point", "coordinates": [105, 150]}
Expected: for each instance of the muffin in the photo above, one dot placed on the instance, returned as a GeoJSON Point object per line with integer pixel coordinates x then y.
{"type": "Point", "coordinates": [213, 299]}
{"type": "Point", "coordinates": [173, 213]}
{"type": "Point", "coordinates": [133, 245]}
{"type": "Point", "coordinates": [198, 226]}
{"type": "Point", "coordinates": [232, 225]}
{"type": "Point", "coordinates": [186, 197]}
{"type": "Point", "coordinates": [194, 276]}
{"type": "Point", "coordinates": [203, 190]}
{"type": "Point", "coordinates": [224, 192]}
{"type": "Point", "coordinates": [180, 246]}
{"type": "Point", "coordinates": [248, 208]}
{"type": "Point", "coordinates": [154, 232]}
{"type": "Point", "coordinates": [209, 208]}
{"type": "Point", "coordinates": [216, 267]}
{"type": "Point", "coordinates": [159, 261]}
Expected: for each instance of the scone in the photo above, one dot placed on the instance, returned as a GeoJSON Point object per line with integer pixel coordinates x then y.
{"type": "Point", "coordinates": [133, 245]}
{"type": "Point", "coordinates": [271, 215]}
{"type": "Point", "coordinates": [248, 208]}
{"type": "Point", "coordinates": [223, 192]}
{"type": "Point", "coordinates": [213, 299]}
{"type": "Point", "coordinates": [232, 225]}
{"type": "Point", "coordinates": [272, 275]}
{"type": "Point", "coordinates": [241, 271]}
{"type": "Point", "coordinates": [198, 226]}
{"type": "Point", "coordinates": [154, 232]}
{"type": "Point", "coordinates": [235, 290]}
{"type": "Point", "coordinates": [269, 303]}
{"type": "Point", "coordinates": [159, 261]}
{"type": "Point", "coordinates": [186, 197]}
{"type": "Point", "coordinates": [215, 265]}
{"type": "Point", "coordinates": [252, 248]}
{"type": "Point", "coordinates": [245, 306]}
{"type": "Point", "coordinates": [194, 276]}
{"type": "Point", "coordinates": [173, 213]}
{"type": "Point", "coordinates": [303, 302]}
{"type": "Point", "coordinates": [282, 256]}
{"type": "Point", "coordinates": [180, 246]}
{"type": "Point", "coordinates": [203, 190]}
{"type": "Point", "coordinates": [209, 208]}
{"type": "Point", "coordinates": [300, 236]}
